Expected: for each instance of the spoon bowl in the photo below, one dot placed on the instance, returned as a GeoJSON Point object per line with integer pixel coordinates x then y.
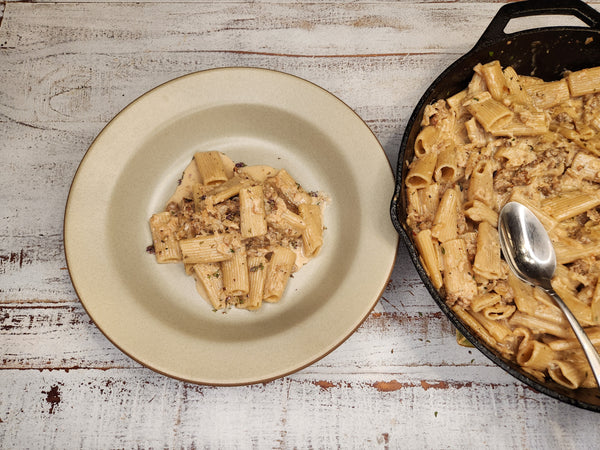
{"type": "Point", "coordinates": [526, 245]}
{"type": "Point", "coordinates": [529, 253]}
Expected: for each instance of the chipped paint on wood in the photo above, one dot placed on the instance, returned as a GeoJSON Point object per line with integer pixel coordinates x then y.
{"type": "Point", "coordinates": [126, 408]}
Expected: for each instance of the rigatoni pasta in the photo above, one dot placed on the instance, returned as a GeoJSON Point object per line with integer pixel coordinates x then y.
{"type": "Point", "coordinates": [278, 273]}
{"type": "Point", "coordinates": [509, 137]}
{"type": "Point", "coordinates": [209, 281]}
{"type": "Point", "coordinates": [163, 228]}
{"type": "Point", "coordinates": [253, 222]}
{"type": "Point", "coordinates": [210, 167]}
{"type": "Point", "coordinates": [239, 231]}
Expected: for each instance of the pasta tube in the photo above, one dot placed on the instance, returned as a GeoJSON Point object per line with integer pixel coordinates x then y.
{"type": "Point", "coordinates": [488, 263]}
{"type": "Point", "coordinates": [475, 133]}
{"type": "Point", "coordinates": [566, 374]}
{"type": "Point", "coordinates": [210, 167]}
{"type": "Point", "coordinates": [494, 79]}
{"type": "Point", "coordinates": [569, 205]}
{"type": "Point", "coordinates": [586, 81]}
{"type": "Point", "coordinates": [421, 170]}
{"type": "Point", "coordinates": [498, 330]}
{"type": "Point", "coordinates": [535, 355]}
{"type": "Point", "coordinates": [474, 325]}
{"type": "Point", "coordinates": [312, 235]}
{"type": "Point", "coordinates": [226, 190]}
{"type": "Point", "coordinates": [446, 217]}
{"type": "Point", "coordinates": [257, 268]}
{"type": "Point", "coordinates": [429, 254]}
{"type": "Point", "coordinates": [489, 113]}
{"type": "Point", "coordinates": [290, 190]}
{"type": "Point", "coordinates": [479, 212]}
{"type": "Point", "coordinates": [586, 166]}
{"type": "Point", "coordinates": [549, 94]}
{"type": "Point", "coordinates": [166, 247]}
{"type": "Point", "coordinates": [561, 345]}
{"type": "Point", "coordinates": [484, 301]}
{"type": "Point", "coordinates": [481, 185]}
{"type": "Point", "coordinates": [235, 273]}
{"type": "Point", "coordinates": [567, 252]}
{"type": "Point", "coordinates": [446, 168]}
{"type": "Point", "coordinates": [286, 221]}
{"type": "Point", "coordinates": [199, 192]}
{"type": "Point", "coordinates": [539, 326]}
{"type": "Point", "coordinates": [458, 277]}
{"type": "Point", "coordinates": [522, 294]}
{"type": "Point", "coordinates": [278, 273]}
{"type": "Point", "coordinates": [517, 93]}
{"type": "Point", "coordinates": [209, 281]}
{"type": "Point", "coordinates": [425, 141]}
{"type": "Point", "coordinates": [499, 311]}
{"type": "Point", "coordinates": [207, 249]}
{"type": "Point", "coordinates": [252, 212]}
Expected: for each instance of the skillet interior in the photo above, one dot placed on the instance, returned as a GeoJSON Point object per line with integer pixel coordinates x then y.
{"type": "Point", "coordinates": [546, 53]}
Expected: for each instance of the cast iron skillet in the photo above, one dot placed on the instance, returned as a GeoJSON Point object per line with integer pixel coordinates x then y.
{"type": "Point", "coordinates": [543, 52]}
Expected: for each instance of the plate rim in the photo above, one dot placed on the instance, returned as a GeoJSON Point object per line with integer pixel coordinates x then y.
{"type": "Point", "coordinates": [282, 373]}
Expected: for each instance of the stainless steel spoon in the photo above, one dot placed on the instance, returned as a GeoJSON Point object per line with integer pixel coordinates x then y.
{"type": "Point", "coordinates": [529, 252]}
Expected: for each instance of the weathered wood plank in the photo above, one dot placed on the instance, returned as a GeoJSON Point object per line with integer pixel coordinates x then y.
{"type": "Point", "coordinates": [310, 29]}
{"type": "Point", "coordinates": [38, 164]}
{"type": "Point", "coordinates": [128, 408]}
{"type": "Point", "coordinates": [52, 335]}
{"type": "Point", "coordinates": [292, 29]}
{"type": "Point", "coordinates": [34, 267]}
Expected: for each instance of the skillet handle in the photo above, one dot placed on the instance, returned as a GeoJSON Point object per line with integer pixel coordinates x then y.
{"type": "Point", "coordinates": [506, 13]}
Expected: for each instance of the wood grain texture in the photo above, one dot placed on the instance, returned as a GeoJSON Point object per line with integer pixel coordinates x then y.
{"type": "Point", "coordinates": [120, 407]}
{"type": "Point", "coordinates": [66, 69]}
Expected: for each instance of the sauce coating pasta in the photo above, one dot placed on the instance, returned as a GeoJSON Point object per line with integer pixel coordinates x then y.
{"type": "Point", "coordinates": [510, 137]}
{"type": "Point", "coordinates": [239, 230]}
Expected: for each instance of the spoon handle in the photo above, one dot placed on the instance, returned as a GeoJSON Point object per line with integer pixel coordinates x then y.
{"type": "Point", "coordinates": [588, 348]}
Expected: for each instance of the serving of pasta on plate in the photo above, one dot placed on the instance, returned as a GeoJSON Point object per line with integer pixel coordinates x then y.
{"type": "Point", "coordinates": [240, 231]}
{"type": "Point", "coordinates": [510, 137]}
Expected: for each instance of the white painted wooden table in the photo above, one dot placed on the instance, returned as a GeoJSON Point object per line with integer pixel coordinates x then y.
{"type": "Point", "coordinates": [66, 69]}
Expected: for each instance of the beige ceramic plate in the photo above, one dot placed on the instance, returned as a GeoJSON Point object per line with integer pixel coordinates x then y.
{"type": "Point", "coordinates": [152, 312]}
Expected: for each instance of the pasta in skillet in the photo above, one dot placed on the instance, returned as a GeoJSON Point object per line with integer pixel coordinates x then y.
{"type": "Point", "coordinates": [240, 231]}
{"type": "Point", "coordinates": [509, 137]}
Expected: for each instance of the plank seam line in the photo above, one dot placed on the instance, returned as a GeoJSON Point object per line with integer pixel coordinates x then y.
{"type": "Point", "coordinates": [298, 55]}
{"type": "Point", "coordinates": [2, 10]}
